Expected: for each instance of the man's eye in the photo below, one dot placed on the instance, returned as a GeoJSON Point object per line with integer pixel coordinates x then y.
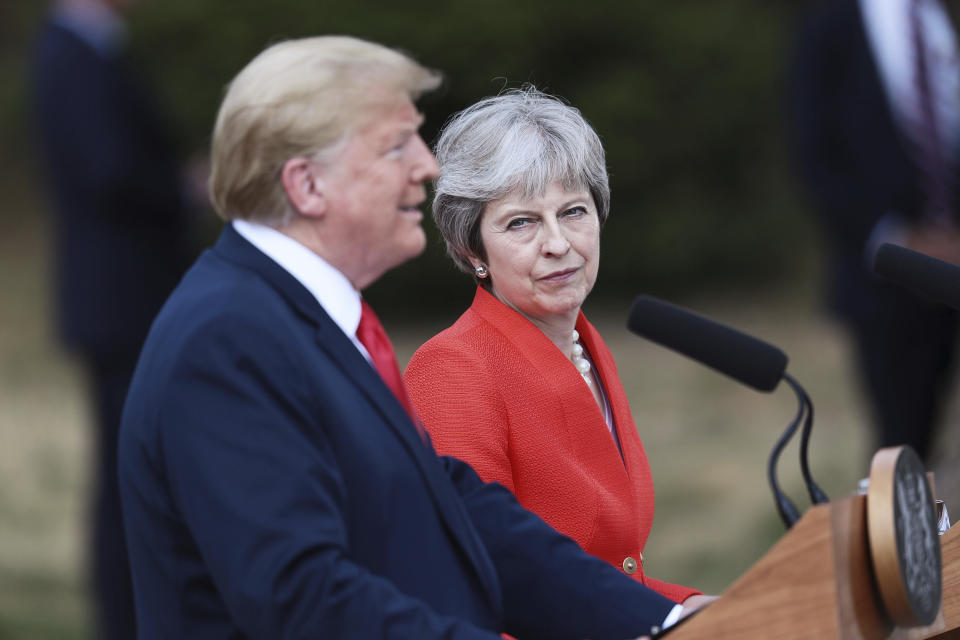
{"type": "Point", "coordinates": [399, 147]}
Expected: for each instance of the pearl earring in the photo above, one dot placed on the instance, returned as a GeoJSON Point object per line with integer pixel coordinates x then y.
{"type": "Point", "coordinates": [481, 271]}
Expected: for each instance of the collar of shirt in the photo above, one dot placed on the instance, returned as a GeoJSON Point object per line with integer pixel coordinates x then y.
{"type": "Point", "coordinates": [96, 24]}
{"type": "Point", "coordinates": [887, 24]}
{"type": "Point", "coordinates": [331, 288]}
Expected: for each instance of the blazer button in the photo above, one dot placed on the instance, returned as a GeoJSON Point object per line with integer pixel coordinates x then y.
{"type": "Point", "coordinates": [629, 565]}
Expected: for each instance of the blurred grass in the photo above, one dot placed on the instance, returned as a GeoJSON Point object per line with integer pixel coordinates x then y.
{"type": "Point", "coordinates": [707, 437]}
{"type": "Point", "coordinates": [43, 444]}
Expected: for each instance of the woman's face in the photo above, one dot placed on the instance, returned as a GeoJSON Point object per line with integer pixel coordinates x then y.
{"type": "Point", "coordinates": [543, 252]}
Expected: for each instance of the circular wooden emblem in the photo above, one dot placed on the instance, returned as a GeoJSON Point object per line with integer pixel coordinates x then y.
{"type": "Point", "coordinates": [902, 530]}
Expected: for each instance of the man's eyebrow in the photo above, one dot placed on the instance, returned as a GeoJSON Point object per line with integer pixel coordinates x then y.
{"type": "Point", "coordinates": [411, 128]}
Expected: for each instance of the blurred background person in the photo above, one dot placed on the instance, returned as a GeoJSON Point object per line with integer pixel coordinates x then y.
{"type": "Point", "coordinates": [875, 115]}
{"type": "Point", "coordinates": [121, 240]}
{"type": "Point", "coordinates": [522, 386]}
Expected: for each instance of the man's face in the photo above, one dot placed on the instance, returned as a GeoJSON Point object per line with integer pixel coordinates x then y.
{"type": "Point", "coordinates": [373, 189]}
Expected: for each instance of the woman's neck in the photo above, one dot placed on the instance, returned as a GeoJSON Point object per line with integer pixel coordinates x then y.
{"type": "Point", "coordinates": [559, 330]}
{"type": "Point", "coordinates": [557, 327]}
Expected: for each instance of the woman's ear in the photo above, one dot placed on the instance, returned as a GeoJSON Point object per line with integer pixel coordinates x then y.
{"type": "Point", "coordinates": [479, 267]}
{"type": "Point", "coordinates": [304, 186]}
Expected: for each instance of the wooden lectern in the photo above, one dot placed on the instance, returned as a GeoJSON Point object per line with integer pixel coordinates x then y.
{"type": "Point", "coordinates": [823, 580]}
{"type": "Point", "coordinates": [950, 550]}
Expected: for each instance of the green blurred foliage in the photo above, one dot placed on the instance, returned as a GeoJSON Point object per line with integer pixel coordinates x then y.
{"type": "Point", "coordinates": [686, 96]}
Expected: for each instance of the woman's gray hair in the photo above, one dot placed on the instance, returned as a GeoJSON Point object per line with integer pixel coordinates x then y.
{"type": "Point", "coordinates": [522, 141]}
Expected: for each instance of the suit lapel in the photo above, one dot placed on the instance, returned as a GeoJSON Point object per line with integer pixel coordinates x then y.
{"type": "Point", "coordinates": [619, 407]}
{"type": "Point", "coordinates": [354, 366]}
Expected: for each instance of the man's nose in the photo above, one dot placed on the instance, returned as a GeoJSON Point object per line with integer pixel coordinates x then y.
{"type": "Point", "coordinates": [426, 167]}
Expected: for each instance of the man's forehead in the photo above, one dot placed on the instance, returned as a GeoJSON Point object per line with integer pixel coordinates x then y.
{"type": "Point", "coordinates": [399, 112]}
{"type": "Point", "coordinates": [390, 121]}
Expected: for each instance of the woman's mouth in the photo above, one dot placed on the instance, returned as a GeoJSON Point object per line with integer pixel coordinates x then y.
{"type": "Point", "coordinates": [560, 276]}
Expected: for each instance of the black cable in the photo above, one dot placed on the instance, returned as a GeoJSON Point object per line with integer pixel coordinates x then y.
{"type": "Point", "coordinates": [817, 495]}
{"type": "Point", "coordinates": [786, 508]}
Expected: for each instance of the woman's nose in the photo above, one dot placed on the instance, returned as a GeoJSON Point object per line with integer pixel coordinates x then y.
{"type": "Point", "coordinates": [555, 241]}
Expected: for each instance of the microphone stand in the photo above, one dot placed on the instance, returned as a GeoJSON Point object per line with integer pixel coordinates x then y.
{"type": "Point", "coordinates": [786, 508]}
{"type": "Point", "coordinates": [817, 495]}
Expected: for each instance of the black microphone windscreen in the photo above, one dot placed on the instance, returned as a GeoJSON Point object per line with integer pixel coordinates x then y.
{"type": "Point", "coordinates": [742, 357]}
{"type": "Point", "coordinates": [920, 273]}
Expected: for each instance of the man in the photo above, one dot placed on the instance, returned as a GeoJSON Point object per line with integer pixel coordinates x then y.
{"type": "Point", "coordinates": [876, 126]}
{"type": "Point", "coordinates": [275, 484]}
{"type": "Point", "coordinates": [121, 240]}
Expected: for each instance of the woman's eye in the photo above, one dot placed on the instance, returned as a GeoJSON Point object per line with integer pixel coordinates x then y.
{"type": "Point", "coordinates": [575, 211]}
{"type": "Point", "coordinates": [518, 223]}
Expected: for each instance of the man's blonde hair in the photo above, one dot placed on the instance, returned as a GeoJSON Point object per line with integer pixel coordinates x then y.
{"type": "Point", "coordinates": [299, 98]}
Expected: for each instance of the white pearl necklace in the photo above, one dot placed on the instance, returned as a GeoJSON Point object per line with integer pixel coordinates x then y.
{"type": "Point", "coordinates": [581, 363]}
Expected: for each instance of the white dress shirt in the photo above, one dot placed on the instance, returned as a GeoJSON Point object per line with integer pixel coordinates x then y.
{"type": "Point", "coordinates": [331, 288]}
{"type": "Point", "coordinates": [889, 31]}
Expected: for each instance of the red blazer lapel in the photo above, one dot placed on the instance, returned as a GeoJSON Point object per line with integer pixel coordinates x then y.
{"type": "Point", "coordinates": [634, 456]}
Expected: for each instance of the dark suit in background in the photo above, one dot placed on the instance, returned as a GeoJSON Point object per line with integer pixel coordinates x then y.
{"type": "Point", "coordinates": [858, 165]}
{"type": "Point", "coordinates": [120, 243]}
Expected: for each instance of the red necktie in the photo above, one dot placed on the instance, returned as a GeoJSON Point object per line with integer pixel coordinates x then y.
{"type": "Point", "coordinates": [372, 336]}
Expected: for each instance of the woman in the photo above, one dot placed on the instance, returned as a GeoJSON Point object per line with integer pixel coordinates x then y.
{"type": "Point", "coordinates": [522, 386]}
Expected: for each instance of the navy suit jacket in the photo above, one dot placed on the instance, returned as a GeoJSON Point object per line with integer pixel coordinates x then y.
{"type": "Point", "coordinates": [122, 232]}
{"type": "Point", "coordinates": [273, 487]}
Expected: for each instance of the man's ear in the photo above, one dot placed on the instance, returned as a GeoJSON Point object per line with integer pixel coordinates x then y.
{"type": "Point", "coordinates": [304, 186]}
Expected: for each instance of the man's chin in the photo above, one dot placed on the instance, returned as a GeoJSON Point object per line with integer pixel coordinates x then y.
{"type": "Point", "coordinates": [418, 243]}
{"type": "Point", "coordinates": [412, 250]}
{"type": "Point", "coordinates": [415, 248]}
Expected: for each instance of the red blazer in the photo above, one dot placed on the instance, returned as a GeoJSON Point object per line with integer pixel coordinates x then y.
{"type": "Point", "coordinates": [494, 391]}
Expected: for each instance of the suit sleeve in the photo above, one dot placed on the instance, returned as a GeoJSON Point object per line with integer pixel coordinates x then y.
{"type": "Point", "coordinates": [262, 495]}
{"type": "Point", "coordinates": [442, 380]}
{"type": "Point", "coordinates": [551, 588]}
